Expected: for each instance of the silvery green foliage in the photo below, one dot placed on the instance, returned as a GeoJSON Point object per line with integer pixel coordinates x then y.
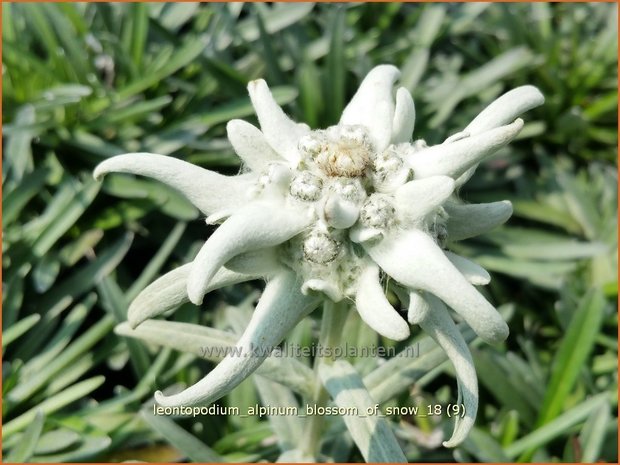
{"type": "Point", "coordinates": [331, 213]}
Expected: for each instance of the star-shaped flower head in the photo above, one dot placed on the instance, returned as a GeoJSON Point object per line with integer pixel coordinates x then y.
{"type": "Point", "coordinates": [330, 213]}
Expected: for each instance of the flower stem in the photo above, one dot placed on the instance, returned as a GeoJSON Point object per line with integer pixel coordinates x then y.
{"type": "Point", "coordinates": [334, 316]}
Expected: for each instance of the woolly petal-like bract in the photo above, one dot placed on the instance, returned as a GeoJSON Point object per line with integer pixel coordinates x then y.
{"type": "Point", "coordinates": [417, 198]}
{"type": "Point", "coordinates": [374, 308]}
{"type": "Point", "coordinates": [208, 191]}
{"type": "Point", "coordinates": [320, 285]}
{"type": "Point", "coordinates": [257, 226]}
{"type": "Point", "coordinates": [170, 290]}
{"type": "Point", "coordinates": [418, 307]}
{"type": "Point", "coordinates": [404, 117]}
{"type": "Point", "coordinates": [465, 221]}
{"type": "Point", "coordinates": [373, 105]}
{"type": "Point", "coordinates": [251, 145]}
{"type": "Point", "coordinates": [281, 132]}
{"type": "Point", "coordinates": [505, 109]}
{"type": "Point", "coordinates": [473, 272]}
{"type": "Point", "coordinates": [439, 325]}
{"type": "Point", "coordinates": [279, 309]}
{"type": "Point", "coordinates": [340, 213]}
{"type": "Point", "coordinates": [413, 259]}
{"type": "Point", "coordinates": [454, 158]}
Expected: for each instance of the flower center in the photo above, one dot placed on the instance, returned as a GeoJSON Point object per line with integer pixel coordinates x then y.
{"type": "Point", "coordinates": [348, 185]}
{"type": "Point", "coordinates": [339, 151]}
{"type": "Point", "coordinates": [320, 248]}
{"type": "Point", "coordinates": [378, 212]}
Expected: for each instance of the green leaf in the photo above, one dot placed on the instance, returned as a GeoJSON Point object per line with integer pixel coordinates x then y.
{"type": "Point", "coordinates": [240, 108]}
{"type": "Point", "coordinates": [274, 73]}
{"type": "Point", "coordinates": [70, 324]}
{"type": "Point", "coordinates": [540, 211]}
{"type": "Point", "coordinates": [191, 446]}
{"type": "Point", "coordinates": [288, 428]}
{"type": "Point", "coordinates": [175, 15]}
{"type": "Point", "coordinates": [14, 201]}
{"type": "Point", "coordinates": [426, 31]}
{"type": "Point", "coordinates": [279, 17]}
{"type": "Point", "coordinates": [45, 273]}
{"type": "Point", "coordinates": [309, 84]}
{"type": "Point", "coordinates": [80, 346]}
{"type": "Point", "coordinates": [573, 354]}
{"type": "Point", "coordinates": [113, 301]}
{"type": "Point", "coordinates": [76, 392]}
{"type": "Point", "coordinates": [372, 434]}
{"type": "Point", "coordinates": [139, 31]}
{"type": "Point", "coordinates": [559, 426]}
{"type": "Point", "coordinates": [507, 389]}
{"type": "Point", "coordinates": [209, 343]}
{"type": "Point", "coordinates": [19, 328]}
{"type": "Point", "coordinates": [133, 111]}
{"type": "Point", "coordinates": [484, 447]}
{"type": "Point", "coordinates": [56, 441]}
{"type": "Point", "coordinates": [52, 303]}
{"type": "Point", "coordinates": [593, 434]}
{"type": "Point", "coordinates": [60, 224]}
{"type": "Point", "coordinates": [409, 366]}
{"type": "Point", "coordinates": [18, 153]}
{"type": "Point", "coordinates": [90, 447]}
{"type": "Point", "coordinates": [25, 449]}
{"type": "Point", "coordinates": [182, 57]}
{"type": "Point", "coordinates": [334, 78]}
{"type": "Point", "coordinates": [154, 265]}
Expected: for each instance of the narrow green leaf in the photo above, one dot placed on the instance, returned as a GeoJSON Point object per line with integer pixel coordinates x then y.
{"type": "Point", "coordinates": [13, 202]}
{"type": "Point", "coordinates": [56, 441]}
{"type": "Point", "coordinates": [16, 330]}
{"type": "Point", "coordinates": [191, 446]}
{"type": "Point", "coordinates": [113, 300]}
{"type": "Point", "coordinates": [12, 299]}
{"type": "Point", "coordinates": [274, 73]}
{"type": "Point", "coordinates": [593, 434]}
{"type": "Point", "coordinates": [557, 427]}
{"type": "Point", "coordinates": [540, 211]}
{"type": "Point", "coordinates": [426, 31]}
{"type": "Point", "coordinates": [310, 100]}
{"type": "Point", "coordinates": [210, 344]}
{"type": "Point", "coordinates": [241, 107]}
{"type": "Point", "coordinates": [89, 448]}
{"type": "Point", "coordinates": [52, 303]}
{"type": "Point", "coordinates": [183, 56]}
{"type": "Point", "coordinates": [175, 15]}
{"type": "Point", "coordinates": [336, 71]}
{"type": "Point", "coordinates": [279, 17]}
{"type": "Point", "coordinates": [288, 428]}
{"type": "Point", "coordinates": [25, 449]}
{"type": "Point", "coordinates": [572, 354]}
{"type": "Point", "coordinates": [372, 433]}
{"type": "Point", "coordinates": [496, 378]}
{"type": "Point", "coordinates": [45, 272]}
{"type": "Point", "coordinates": [84, 197]}
{"type": "Point", "coordinates": [139, 31]}
{"type": "Point", "coordinates": [484, 447]}
{"type": "Point", "coordinates": [53, 404]}
{"type": "Point", "coordinates": [409, 366]}
{"type": "Point", "coordinates": [565, 250]}
{"type": "Point", "coordinates": [70, 325]}
{"type": "Point", "coordinates": [154, 265]}
{"type": "Point", "coordinates": [133, 111]}
{"type": "Point", "coordinates": [18, 153]}
{"type": "Point", "coordinates": [80, 346]}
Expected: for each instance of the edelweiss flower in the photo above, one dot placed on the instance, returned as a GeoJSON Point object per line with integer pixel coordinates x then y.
{"type": "Point", "coordinates": [330, 213]}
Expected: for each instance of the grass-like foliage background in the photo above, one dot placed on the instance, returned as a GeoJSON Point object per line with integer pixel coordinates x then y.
{"type": "Point", "coordinates": [82, 82]}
